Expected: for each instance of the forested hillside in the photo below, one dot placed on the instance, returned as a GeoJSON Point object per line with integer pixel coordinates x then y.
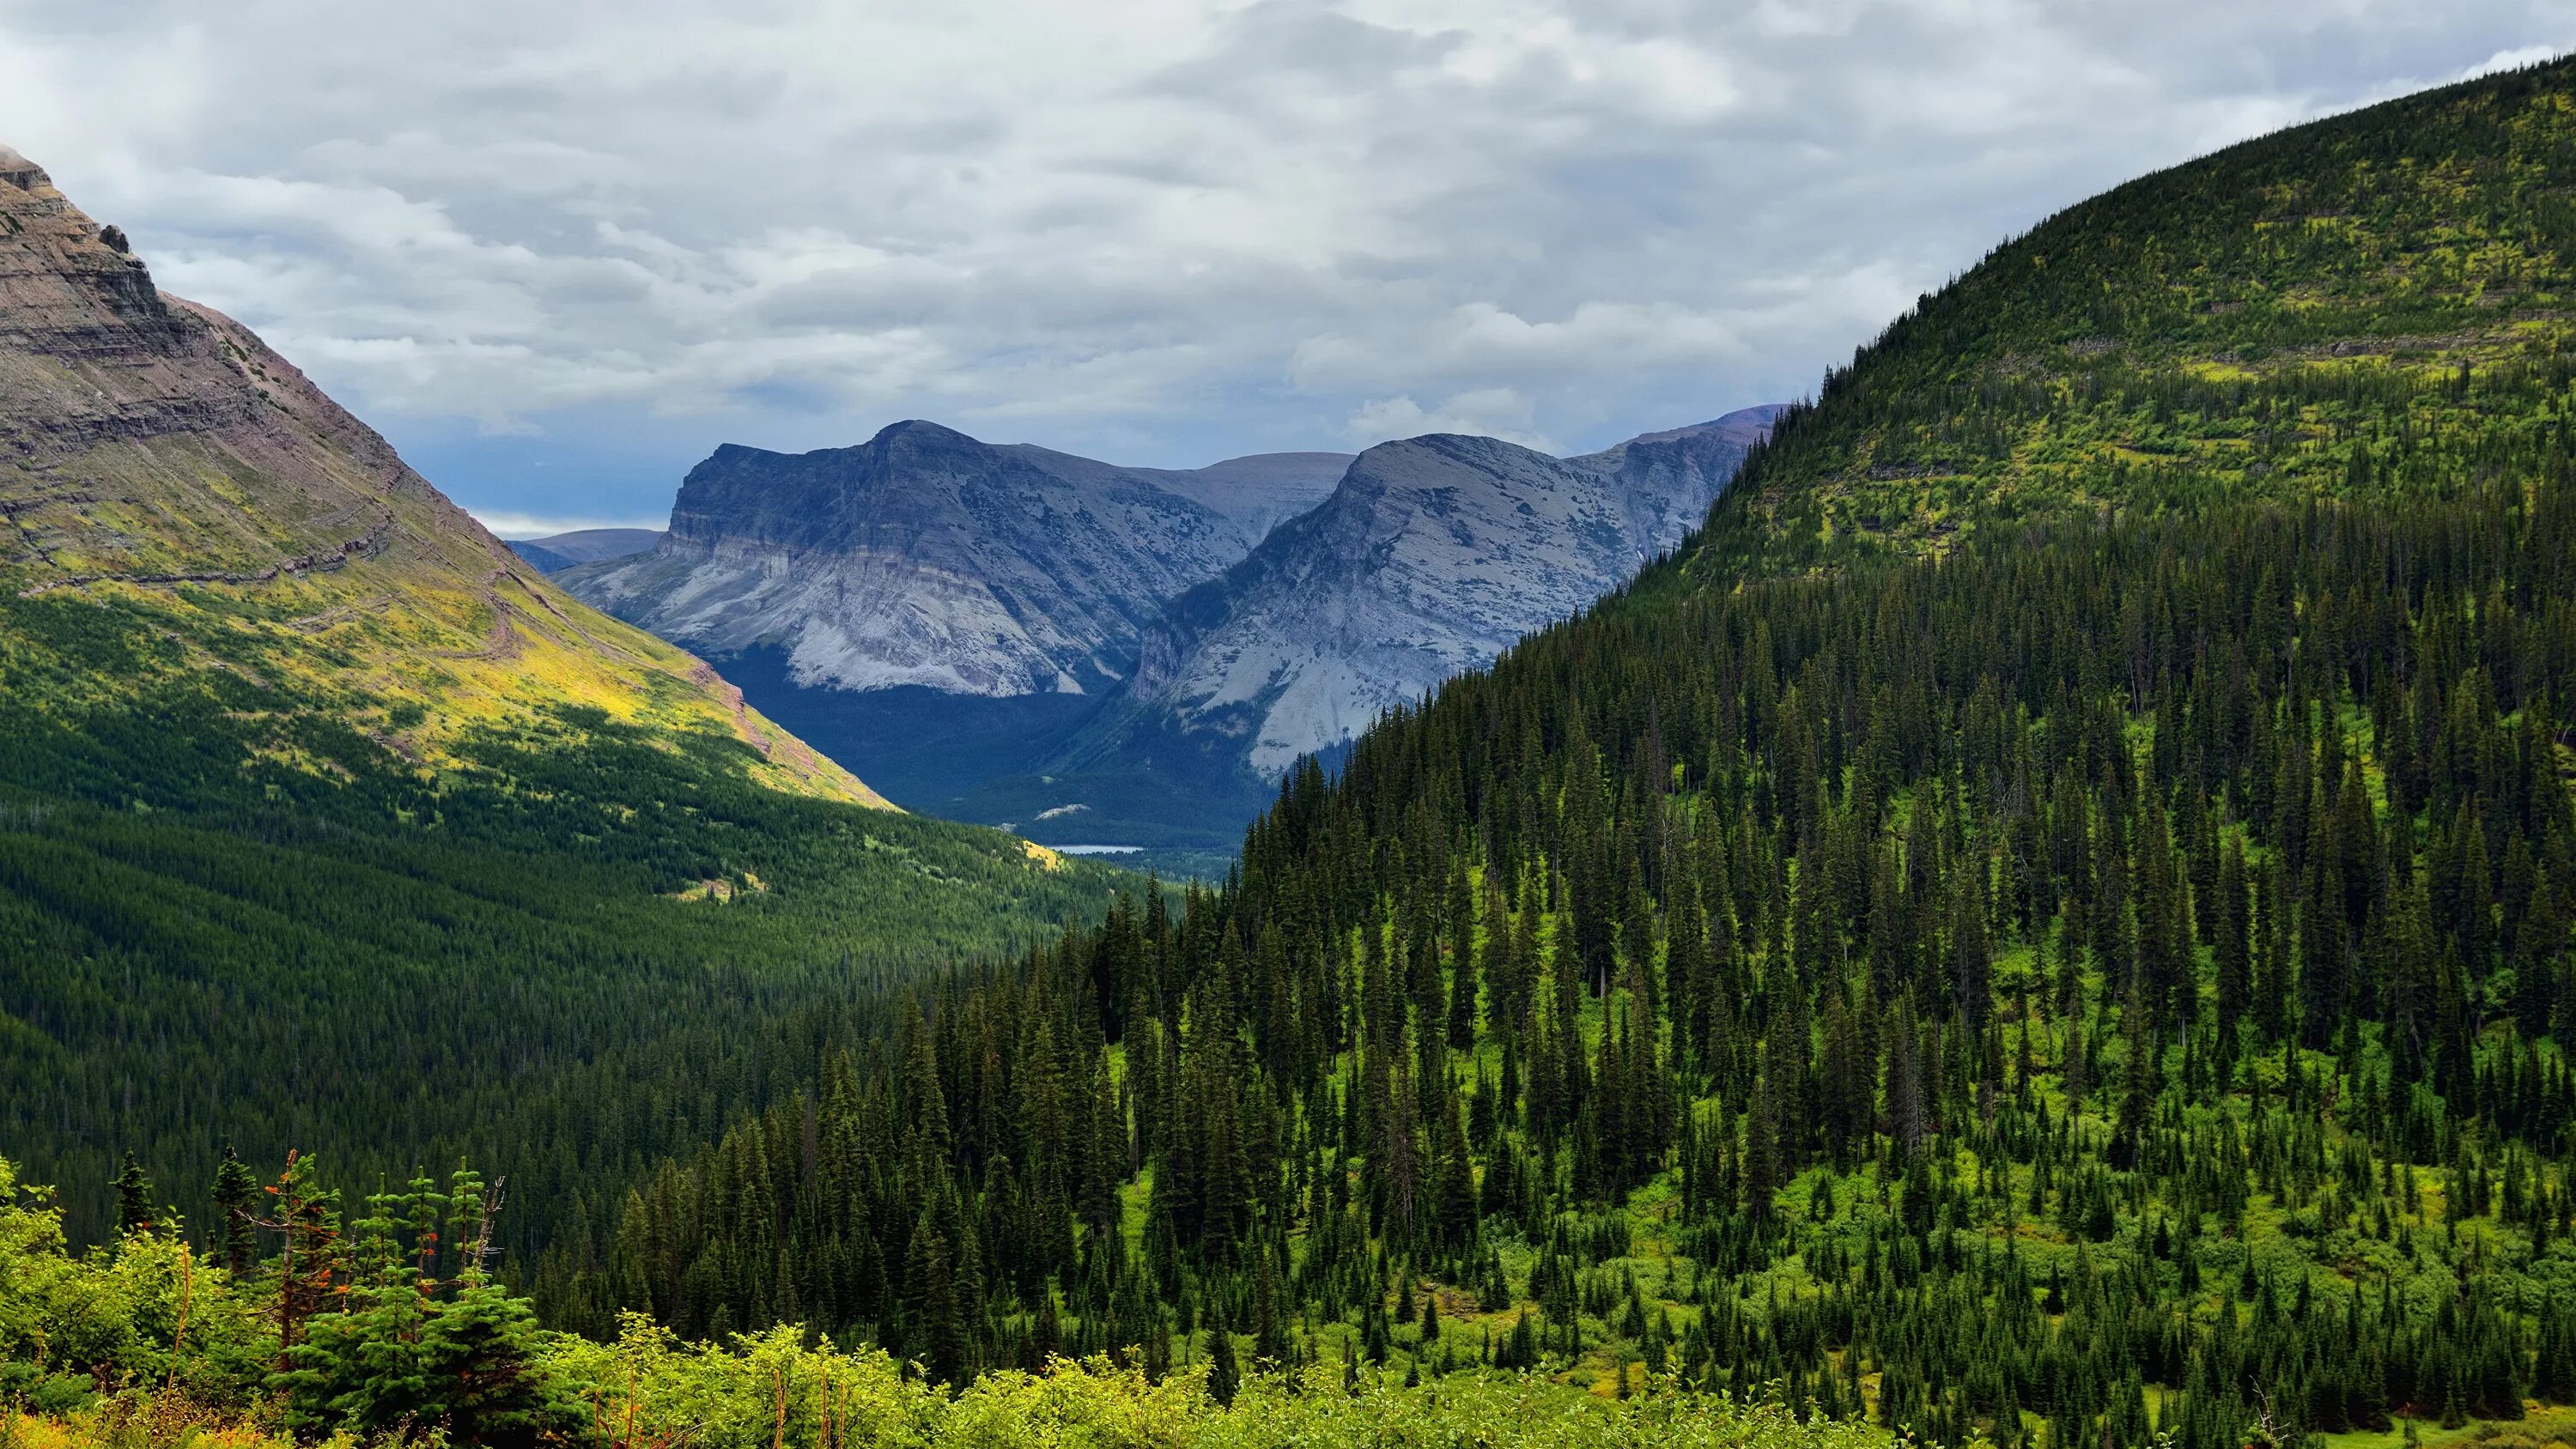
{"type": "Point", "coordinates": [2051, 917]}
{"type": "Point", "coordinates": [2369, 307]}
{"type": "Point", "coordinates": [580, 952]}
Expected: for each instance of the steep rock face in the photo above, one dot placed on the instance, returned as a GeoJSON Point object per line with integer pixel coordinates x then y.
{"type": "Point", "coordinates": [927, 558]}
{"type": "Point", "coordinates": [160, 463]}
{"type": "Point", "coordinates": [1431, 558]}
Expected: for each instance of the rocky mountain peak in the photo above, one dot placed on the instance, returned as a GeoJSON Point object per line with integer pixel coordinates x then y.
{"type": "Point", "coordinates": [922, 433]}
{"type": "Point", "coordinates": [926, 557]}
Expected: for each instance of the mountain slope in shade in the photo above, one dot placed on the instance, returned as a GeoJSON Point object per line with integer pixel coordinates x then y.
{"type": "Point", "coordinates": [1432, 556]}
{"type": "Point", "coordinates": [1261, 491]}
{"type": "Point", "coordinates": [169, 480]}
{"type": "Point", "coordinates": [1252, 494]}
{"type": "Point", "coordinates": [558, 552]}
{"type": "Point", "coordinates": [927, 558]}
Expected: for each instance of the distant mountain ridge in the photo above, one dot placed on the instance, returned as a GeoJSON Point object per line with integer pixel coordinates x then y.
{"type": "Point", "coordinates": [1004, 632]}
{"type": "Point", "coordinates": [1260, 491]}
{"type": "Point", "coordinates": [925, 557]}
{"type": "Point", "coordinates": [1253, 494]}
{"type": "Point", "coordinates": [558, 552]}
{"type": "Point", "coordinates": [1432, 556]}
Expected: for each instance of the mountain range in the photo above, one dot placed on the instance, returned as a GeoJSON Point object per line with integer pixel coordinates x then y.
{"type": "Point", "coordinates": [924, 557]}
{"type": "Point", "coordinates": [1085, 651]}
{"type": "Point", "coordinates": [1430, 559]}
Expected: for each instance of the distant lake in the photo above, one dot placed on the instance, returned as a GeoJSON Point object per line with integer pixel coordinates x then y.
{"type": "Point", "coordinates": [1097, 849]}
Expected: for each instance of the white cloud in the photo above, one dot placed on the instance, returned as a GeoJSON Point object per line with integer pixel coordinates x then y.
{"type": "Point", "coordinates": [1481, 339]}
{"type": "Point", "coordinates": [1162, 230]}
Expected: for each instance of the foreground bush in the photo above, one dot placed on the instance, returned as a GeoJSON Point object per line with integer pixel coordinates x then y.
{"type": "Point", "coordinates": [650, 1389]}
{"type": "Point", "coordinates": [144, 1346]}
{"type": "Point", "coordinates": [766, 1392]}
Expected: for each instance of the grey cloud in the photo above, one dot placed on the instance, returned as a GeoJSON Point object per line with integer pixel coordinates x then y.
{"type": "Point", "coordinates": [1161, 230]}
{"type": "Point", "coordinates": [1271, 51]}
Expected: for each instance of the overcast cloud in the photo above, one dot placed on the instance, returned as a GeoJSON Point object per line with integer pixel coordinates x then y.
{"type": "Point", "coordinates": [557, 252]}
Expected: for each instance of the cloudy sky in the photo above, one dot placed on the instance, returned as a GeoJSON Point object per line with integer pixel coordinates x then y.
{"type": "Point", "coordinates": [557, 252]}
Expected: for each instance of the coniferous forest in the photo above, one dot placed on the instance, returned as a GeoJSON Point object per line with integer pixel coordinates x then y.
{"type": "Point", "coordinates": [2052, 919]}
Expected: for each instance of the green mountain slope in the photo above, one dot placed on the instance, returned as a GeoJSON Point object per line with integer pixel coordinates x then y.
{"type": "Point", "coordinates": [323, 816]}
{"type": "Point", "coordinates": [2375, 304]}
{"type": "Point", "coordinates": [2051, 919]}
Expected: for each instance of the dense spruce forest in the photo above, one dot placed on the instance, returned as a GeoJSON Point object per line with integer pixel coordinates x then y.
{"type": "Point", "coordinates": [1888, 997]}
{"type": "Point", "coordinates": [2052, 919]}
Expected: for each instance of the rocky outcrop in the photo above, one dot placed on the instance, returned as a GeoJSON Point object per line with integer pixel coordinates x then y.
{"type": "Point", "coordinates": [924, 557]}
{"type": "Point", "coordinates": [68, 287]}
{"type": "Point", "coordinates": [1432, 556]}
{"type": "Point", "coordinates": [99, 371]}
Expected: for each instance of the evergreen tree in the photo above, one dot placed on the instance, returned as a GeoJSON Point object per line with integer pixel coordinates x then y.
{"type": "Point", "coordinates": [236, 1195]}
{"type": "Point", "coordinates": [1225, 1376]}
{"type": "Point", "coordinates": [133, 1200]}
